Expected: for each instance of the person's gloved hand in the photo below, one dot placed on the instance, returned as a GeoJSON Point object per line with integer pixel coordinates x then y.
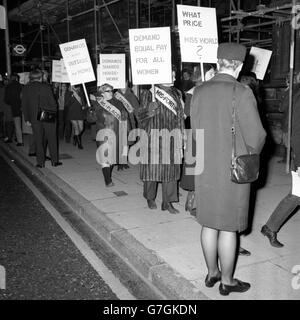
{"type": "Point", "coordinates": [146, 113]}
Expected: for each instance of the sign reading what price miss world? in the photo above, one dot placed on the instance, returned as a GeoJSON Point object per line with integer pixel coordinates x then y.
{"type": "Point", "coordinates": [198, 34]}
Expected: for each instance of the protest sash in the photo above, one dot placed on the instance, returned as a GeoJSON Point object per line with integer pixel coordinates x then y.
{"type": "Point", "coordinates": [110, 108]}
{"type": "Point", "coordinates": [167, 100]}
{"type": "Point", "coordinates": [126, 103]}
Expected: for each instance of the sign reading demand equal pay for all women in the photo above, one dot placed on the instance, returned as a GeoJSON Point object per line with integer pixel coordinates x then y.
{"type": "Point", "coordinates": [150, 53]}
{"type": "Point", "coordinates": [198, 34]}
{"type": "Point", "coordinates": [77, 61]}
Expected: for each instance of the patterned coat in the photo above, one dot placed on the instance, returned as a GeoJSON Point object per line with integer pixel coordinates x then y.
{"type": "Point", "coordinates": [163, 119]}
{"type": "Point", "coordinates": [221, 203]}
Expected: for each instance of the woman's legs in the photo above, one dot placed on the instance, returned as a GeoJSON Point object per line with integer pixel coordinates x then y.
{"type": "Point", "coordinates": [227, 243]}
{"type": "Point", "coordinates": [209, 242]}
{"type": "Point", "coordinates": [77, 126]}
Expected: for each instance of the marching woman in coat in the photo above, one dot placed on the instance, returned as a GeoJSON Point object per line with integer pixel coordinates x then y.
{"type": "Point", "coordinates": [165, 114]}
{"type": "Point", "coordinates": [222, 205]}
{"type": "Point", "coordinates": [131, 104]}
{"type": "Point", "coordinates": [110, 112]}
{"type": "Point", "coordinates": [74, 105]}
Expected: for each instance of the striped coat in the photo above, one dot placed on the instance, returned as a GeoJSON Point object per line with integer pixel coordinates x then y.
{"type": "Point", "coordinates": [163, 119]}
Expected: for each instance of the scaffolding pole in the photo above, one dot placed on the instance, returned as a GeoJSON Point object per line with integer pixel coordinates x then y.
{"type": "Point", "coordinates": [8, 63]}
{"type": "Point", "coordinates": [292, 63]}
{"type": "Point", "coordinates": [96, 8]}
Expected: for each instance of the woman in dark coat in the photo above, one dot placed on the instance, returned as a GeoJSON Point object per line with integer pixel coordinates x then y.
{"type": "Point", "coordinates": [75, 107]}
{"type": "Point", "coordinates": [110, 112]}
{"type": "Point", "coordinates": [222, 205]}
{"type": "Point", "coordinates": [160, 116]}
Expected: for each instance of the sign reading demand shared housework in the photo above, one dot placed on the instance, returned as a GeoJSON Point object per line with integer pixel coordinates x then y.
{"type": "Point", "coordinates": [261, 59]}
{"type": "Point", "coordinates": [112, 70]}
{"type": "Point", "coordinates": [77, 61]}
{"type": "Point", "coordinates": [150, 53]}
{"type": "Point", "coordinates": [198, 34]}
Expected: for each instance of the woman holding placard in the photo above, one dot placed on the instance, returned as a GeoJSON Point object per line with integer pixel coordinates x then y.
{"type": "Point", "coordinates": [110, 112]}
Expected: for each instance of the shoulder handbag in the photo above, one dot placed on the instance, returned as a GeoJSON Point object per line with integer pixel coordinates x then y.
{"type": "Point", "coordinates": [91, 116]}
{"type": "Point", "coordinates": [244, 168]}
{"type": "Point", "coordinates": [45, 115]}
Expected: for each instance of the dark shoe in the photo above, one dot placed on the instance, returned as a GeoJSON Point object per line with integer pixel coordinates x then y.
{"type": "Point", "coordinates": [193, 212]}
{"type": "Point", "coordinates": [19, 144]}
{"type": "Point", "coordinates": [40, 165]}
{"type": "Point", "coordinates": [210, 282]}
{"type": "Point", "coordinates": [7, 140]}
{"type": "Point", "coordinates": [168, 206]}
{"type": "Point", "coordinates": [244, 252]}
{"type": "Point", "coordinates": [32, 154]}
{"type": "Point", "coordinates": [126, 166]}
{"type": "Point", "coordinates": [55, 164]}
{"type": "Point", "coordinates": [241, 286]}
{"type": "Point", "coordinates": [272, 236]}
{"type": "Point", "coordinates": [47, 158]}
{"type": "Point", "coordinates": [151, 204]}
{"type": "Point", "coordinates": [189, 204]}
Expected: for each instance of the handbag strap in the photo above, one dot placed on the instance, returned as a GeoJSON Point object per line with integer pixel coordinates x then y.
{"type": "Point", "coordinates": [233, 126]}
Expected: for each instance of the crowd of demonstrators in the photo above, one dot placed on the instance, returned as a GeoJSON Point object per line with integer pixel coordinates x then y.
{"type": "Point", "coordinates": [168, 114]}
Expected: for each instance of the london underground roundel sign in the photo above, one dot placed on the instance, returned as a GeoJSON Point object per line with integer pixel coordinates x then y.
{"type": "Point", "coordinates": [19, 49]}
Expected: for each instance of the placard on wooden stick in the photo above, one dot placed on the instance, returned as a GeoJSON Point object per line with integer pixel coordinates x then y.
{"type": "Point", "coordinates": [150, 53]}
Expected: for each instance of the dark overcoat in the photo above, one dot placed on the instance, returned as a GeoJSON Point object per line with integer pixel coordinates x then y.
{"type": "Point", "coordinates": [163, 119]}
{"type": "Point", "coordinates": [37, 95]}
{"type": "Point", "coordinates": [13, 97]}
{"type": "Point", "coordinates": [222, 204]}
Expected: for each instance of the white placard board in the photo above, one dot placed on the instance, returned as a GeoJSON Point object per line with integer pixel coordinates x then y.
{"type": "Point", "coordinates": [150, 54]}
{"type": "Point", "coordinates": [77, 61]}
{"type": "Point", "coordinates": [64, 73]}
{"type": "Point", "coordinates": [111, 70]}
{"type": "Point", "coordinates": [59, 72]}
{"type": "Point", "coordinates": [261, 60]}
{"type": "Point", "coordinates": [2, 17]}
{"type": "Point", "coordinates": [56, 71]}
{"type": "Point", "coordinates": [198, 34]}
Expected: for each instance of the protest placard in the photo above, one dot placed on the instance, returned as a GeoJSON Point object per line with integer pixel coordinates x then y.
{"type": "Point", "coordinates": [56, 71]}
{"type": "Point", "coordinates": [261, 59]}
{"type": "Point", "coordinates": [77, 61]}
{"type": "Point", "coordinates": [111, 70]}
{"type": "Point", "coordinates": [64, 73]}
{"type": "Point", "coordinates": [24, 77]}
{"type": "Point", "coordinates": [198, 34]}
{"type": "Point", "coordinates": [150, 53]}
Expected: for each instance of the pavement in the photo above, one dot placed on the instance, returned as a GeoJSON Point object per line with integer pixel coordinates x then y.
{"type": "Point", "coordinates": [164, 248]}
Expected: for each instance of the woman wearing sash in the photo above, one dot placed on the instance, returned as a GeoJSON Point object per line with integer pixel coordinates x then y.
{"type": "Point", "coordinates": [131, 104]}
{"type": "Point", "coordinates": [74, 105]}
{"type": "Point", "coordinates": [110, 112]}
{"type": "Point", "coordinates": [165, 113]}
